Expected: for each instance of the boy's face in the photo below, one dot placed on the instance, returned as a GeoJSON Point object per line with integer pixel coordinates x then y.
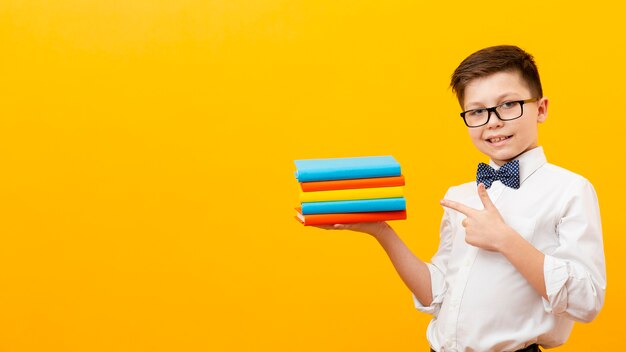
{"type": "Point", "coordinates": [501, 140]}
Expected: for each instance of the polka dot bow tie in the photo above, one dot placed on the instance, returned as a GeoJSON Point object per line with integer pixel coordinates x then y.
{"type": "Point", "coordinates": [508, 174]}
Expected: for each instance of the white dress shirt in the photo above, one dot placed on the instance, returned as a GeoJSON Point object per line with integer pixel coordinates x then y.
{"type": "Point", "coordinates": [481, 302]}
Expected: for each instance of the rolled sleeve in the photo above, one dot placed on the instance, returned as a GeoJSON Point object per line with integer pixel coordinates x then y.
{"type": "Point", "coordinates": [575, 273]}
{"type": "Point", "coordinates": [556, 275]}
{"type": "Point", "coordinates": [438, 283]}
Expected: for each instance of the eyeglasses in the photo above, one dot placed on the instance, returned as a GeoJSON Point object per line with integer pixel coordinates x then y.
{"type": "Point", "coordinates": [509, 110]}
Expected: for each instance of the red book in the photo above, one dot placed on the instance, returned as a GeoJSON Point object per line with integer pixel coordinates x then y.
{"type": "Point", "coordinates": [352, 183]}
{"type": "Point", "coordinates": [348, 218]}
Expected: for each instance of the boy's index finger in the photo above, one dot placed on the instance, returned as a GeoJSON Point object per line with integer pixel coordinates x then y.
{"type": "Point", "coordinates": [484, 197]}
{"type": "Point", "coordinates": [461, 208]}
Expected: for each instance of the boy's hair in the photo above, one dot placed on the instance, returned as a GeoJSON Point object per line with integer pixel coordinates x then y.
{"type": "Point", "coordinates": [492, 60]}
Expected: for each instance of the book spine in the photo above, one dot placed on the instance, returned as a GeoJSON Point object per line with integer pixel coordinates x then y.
{"type": "Point", "coordinates": [352, 184]}
{"type": "Point", "coordinates": [350, 218]}
{"type": "Point", "coordinates": [324, 174]}
{"type": "Point", "coordinates": [354, 206]}
{"type": "Point", "coordinates": [352, 194]}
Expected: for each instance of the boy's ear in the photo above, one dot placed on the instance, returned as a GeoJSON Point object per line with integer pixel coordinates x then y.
{"type": "Point", "coordinates": [542, 110]}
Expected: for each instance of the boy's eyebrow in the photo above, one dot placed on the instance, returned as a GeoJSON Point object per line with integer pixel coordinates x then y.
{"type": "Point", "coordinates": [498, 99]}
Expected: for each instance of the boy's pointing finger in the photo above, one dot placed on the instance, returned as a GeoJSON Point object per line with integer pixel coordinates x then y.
{"type": "Point", "coordinates": [484, 197]}
{"type": "Point", "coordinates": [461, 208]}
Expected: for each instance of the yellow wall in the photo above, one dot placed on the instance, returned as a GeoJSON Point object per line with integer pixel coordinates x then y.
{"type": "Point", "coordinates": [147, 147]}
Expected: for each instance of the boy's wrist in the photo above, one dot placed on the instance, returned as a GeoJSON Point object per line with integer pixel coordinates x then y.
{"type": "Point", "coordinates": [382, 231]}
{"type": "Point", "coordinates": [508, 242]}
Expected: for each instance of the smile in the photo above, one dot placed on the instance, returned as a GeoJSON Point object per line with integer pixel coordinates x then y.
{"type": "Point", "coordinates": [498, 139]}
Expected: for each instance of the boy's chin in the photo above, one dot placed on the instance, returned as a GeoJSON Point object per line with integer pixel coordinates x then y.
{"type": "Point", "coordinates": [502, 156]}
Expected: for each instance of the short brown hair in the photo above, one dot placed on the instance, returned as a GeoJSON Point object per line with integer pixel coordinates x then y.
{"type": "Point", "coordinates": [493, 60]}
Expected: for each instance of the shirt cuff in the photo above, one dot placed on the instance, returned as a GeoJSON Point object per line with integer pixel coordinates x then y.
{"type": "Point", "coordinates": [438, 291]}
{"type": "Point", "coordinates": [556, 274]}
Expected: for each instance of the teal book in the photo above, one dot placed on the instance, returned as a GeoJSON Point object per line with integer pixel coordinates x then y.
{"type": "Point", "coordinates": [354, 206]}
{"type": "Point", "coordinates": [308, 170]}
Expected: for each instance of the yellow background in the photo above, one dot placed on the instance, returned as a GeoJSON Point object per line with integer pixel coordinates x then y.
{"type": "Point", "coordinates": [146, 162]}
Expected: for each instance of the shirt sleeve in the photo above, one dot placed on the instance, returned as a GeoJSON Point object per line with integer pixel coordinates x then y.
{"type": "Point", "coordinates": [438, 265]}
{"type": "Point", "coordinates": [575, 272]}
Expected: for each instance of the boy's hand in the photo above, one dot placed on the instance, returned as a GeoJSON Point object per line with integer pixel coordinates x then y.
{"type": "Point", "coordinates": [485, 228]}
{"type": "Point", "coordinates": [372, 228]}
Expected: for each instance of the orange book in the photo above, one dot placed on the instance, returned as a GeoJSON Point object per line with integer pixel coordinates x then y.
{"type": "Point", "coordinates": [352, 183]}
{"type": "Point", "coordinates": [348, 218]}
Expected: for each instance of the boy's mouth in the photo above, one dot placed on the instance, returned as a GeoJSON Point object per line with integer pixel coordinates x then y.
{"type": "Point", "coordinates": [497, 139]}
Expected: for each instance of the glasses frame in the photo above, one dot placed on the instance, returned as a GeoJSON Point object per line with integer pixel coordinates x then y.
{"type": "Point", "coordinates": [493, 109]}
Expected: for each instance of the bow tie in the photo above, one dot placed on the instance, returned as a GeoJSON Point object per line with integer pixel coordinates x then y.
{"type": "Point", "coordinates": [508, 174]}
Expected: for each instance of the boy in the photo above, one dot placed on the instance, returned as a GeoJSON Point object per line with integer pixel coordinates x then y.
{"type": "Point", "coordinates": [520, 255]}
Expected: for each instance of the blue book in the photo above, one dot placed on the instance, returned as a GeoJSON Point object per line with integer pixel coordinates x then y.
{"type": "Point", "coordinates": [354, 206]}
{"type": "Point", "coordinates": [346, 168]}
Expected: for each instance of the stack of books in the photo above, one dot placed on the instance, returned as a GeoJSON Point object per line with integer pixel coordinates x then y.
{"type": "Point", "coordinates": [349, 190]}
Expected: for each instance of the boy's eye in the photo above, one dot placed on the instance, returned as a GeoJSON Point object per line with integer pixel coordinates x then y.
{"type": "Point", "coordinates": [508, 104]}
{"type": "Point", "coordinates": [477, 112]}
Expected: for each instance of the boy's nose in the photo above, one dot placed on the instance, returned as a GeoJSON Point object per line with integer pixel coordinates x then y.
{"type": "Point", "coordinates": [494, 120]}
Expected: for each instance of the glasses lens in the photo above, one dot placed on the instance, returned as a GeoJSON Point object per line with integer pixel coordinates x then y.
{"type": "Point", "coordinates": [476, 117]}
{"type": "Point", "coordinates": [509, 110]}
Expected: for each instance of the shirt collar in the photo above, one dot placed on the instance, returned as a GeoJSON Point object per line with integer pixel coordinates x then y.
{"type": "Point", "coordinates": [529, 162]}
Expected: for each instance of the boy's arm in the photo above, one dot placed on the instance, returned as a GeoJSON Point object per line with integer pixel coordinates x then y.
{"type": "Point", "coordinates": [570, 278]}
{"type": "Point", "coordinates": [413, 271]}
{"type": "Point", "coordinates": [575, 270]}
{"type": "Point", "coordinates": [486, 229]}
